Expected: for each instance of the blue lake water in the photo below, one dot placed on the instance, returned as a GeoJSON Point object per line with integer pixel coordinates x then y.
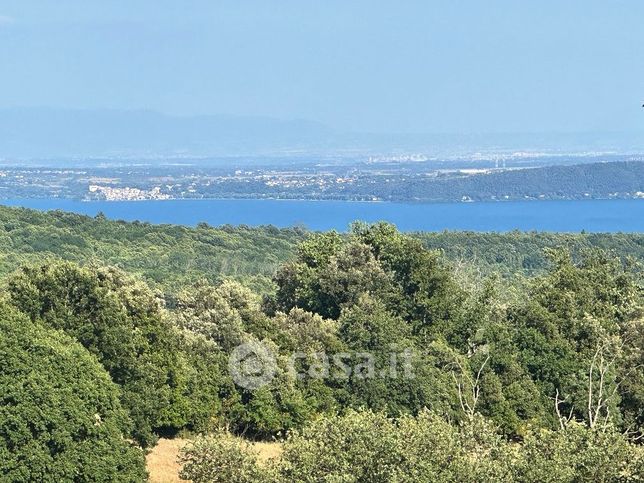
{"type": "Point", "coordinates": [567, 216]}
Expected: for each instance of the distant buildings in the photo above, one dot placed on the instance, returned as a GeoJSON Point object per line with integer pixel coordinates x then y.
{"type": "Point", "coordinates": [127, 194]}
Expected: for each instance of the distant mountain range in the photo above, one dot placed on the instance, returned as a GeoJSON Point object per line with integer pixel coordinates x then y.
{"type": "Point", "coordinates": [37, 133]}
{"type": "Point", "coordinates": [45, 133]}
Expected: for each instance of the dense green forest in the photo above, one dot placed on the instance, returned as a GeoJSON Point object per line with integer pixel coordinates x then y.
{"type": "Point", "coordinates": [371, 356]}
{"type": "Point", "coordinates": [525, 253]}
{"type": "Point", "coordinates": [169, 257]}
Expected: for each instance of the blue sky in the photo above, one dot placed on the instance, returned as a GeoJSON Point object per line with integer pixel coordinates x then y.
{"type": "Point", "coordinates": [378, 65]}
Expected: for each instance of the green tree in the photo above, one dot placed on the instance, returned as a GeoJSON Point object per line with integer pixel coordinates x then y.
{"type": "Point", "coordinates": [426, 294]}
{"type": "Point", "coordinates": [60, 415]}
{"type": "Point", "coordinates": [324, 284]}
{"type": "Point", "coordinates": [119, 320]}
{"type": "Point", "coordinates": [203, 310]}
{"type": "Point", "coordinates": [574, 321]}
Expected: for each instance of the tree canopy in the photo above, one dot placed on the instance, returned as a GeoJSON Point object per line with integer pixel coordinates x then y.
{"type": "Point", "coordinates": [60, 414]}
{"type": "Point", "coordinates": [374, 340]}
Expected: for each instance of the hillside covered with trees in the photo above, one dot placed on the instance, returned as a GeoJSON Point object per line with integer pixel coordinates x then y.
{"type": "Point", "coordinates": [169, 257]}
{"type": "Point", "coordinates": [622, 179]}
{"type": "Point", "coordinates": [388, 361]}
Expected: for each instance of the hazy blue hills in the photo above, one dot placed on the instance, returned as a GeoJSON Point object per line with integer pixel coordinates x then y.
{"type": "Point", "coordinates": [27, 133]}
{"type": "Point", "coordinates": [36, 132]}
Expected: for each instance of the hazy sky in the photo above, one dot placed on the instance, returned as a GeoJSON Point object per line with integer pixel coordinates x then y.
{"type": "Point", "coordinates": [376, 65]}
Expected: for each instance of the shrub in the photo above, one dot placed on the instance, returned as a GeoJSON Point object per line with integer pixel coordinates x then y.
{"type": "Point", "coordinates": [222, 458]}
{"type": "Point", "coordinates": [363, 446]}
{"type": "Point", "coordinates": [578, 453]}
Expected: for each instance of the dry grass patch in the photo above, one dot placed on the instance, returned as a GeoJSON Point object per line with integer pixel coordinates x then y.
{"type": "Point", "coordinates": [267, 450]}
{"type": "Point", "coordinates": [162, 461]}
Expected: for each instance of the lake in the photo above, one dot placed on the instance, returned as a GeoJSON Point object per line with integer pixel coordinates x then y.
{"type": "Point", "coordinates": [566, 216]}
